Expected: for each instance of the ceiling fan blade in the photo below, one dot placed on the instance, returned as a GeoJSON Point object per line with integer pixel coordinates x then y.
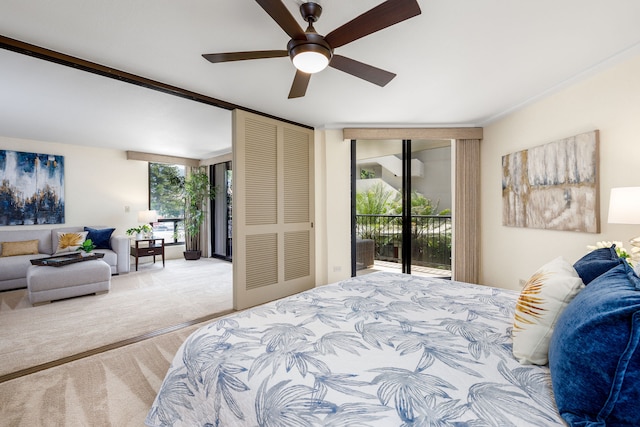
{"type": "Point", "coordinates": [299, 86]}
{"type": "Point", "coordinates": [279, 12]}
{"type": "Point", "coordinates": [358, 69]}
{"type": "Point", "coordinates": [382, 16]}
{"type": "Point", "coordinates": [241, 56]}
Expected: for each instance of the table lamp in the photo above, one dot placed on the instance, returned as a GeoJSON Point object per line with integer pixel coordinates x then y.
{"type": "Point", "coordinates": [148, 217]}
{"type": "Point", "coordinates": [624, 208]}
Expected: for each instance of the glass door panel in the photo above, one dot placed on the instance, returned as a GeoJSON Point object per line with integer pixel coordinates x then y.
{"type": "Point", "coordinates": [378, 205]}
{"type": "Point", "coordinates": [431, 204]}
{"type": "Point", "coordinates": [221, 212]}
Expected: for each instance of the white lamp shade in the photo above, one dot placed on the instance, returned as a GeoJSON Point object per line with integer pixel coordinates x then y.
{"type": "Point", "coordinates": [147, 216]}
{"type": "Point", "coordinates": [624, 205]}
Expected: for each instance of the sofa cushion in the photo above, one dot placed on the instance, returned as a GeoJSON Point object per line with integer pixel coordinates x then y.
{"type": "Point", "coordinates": [16, 267]}
{"type": "Point", "coordinates": [544, 297]}
{"type": "Point", "coordinates": [110, 257]}
{"type": "Point", "coordinates": [594, 353]}
{"type": "Point", "coordinates": [54, 233]}
{"type": "Point", "coordinates": [100, 237]}
{"type": "Point", "coordinates": [70, 241]}
{"type": "Point", "coordinates": [597, 262]}
{"type": "Point", "coordinates": [43, 236]}
{"type": "Point", "coordinates": [26, 247]}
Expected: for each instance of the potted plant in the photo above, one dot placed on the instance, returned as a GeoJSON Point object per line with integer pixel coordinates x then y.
{"type": "Point", "coordinates": [140, 232]}
{"type": "Point", "coordinates": [197, 193]}
{"type": "Point", "coordinates": [87, 246]}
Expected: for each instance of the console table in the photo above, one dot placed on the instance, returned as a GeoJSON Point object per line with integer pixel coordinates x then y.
{"type": "Point", "coordinates": [148, 247]}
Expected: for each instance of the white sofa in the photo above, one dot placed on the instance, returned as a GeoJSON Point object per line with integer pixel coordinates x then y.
{"type": "Point", "coordinates": [13, 269]}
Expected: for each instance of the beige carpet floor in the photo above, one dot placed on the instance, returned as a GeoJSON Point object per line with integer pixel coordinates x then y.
{"type": "Point", "coordinates": [115, 388]}
{"type": "Point", "coordinates": [139, 302]}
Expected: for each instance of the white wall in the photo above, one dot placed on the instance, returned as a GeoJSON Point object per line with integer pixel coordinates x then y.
{"type": "Point", "coordinates": [99, 184]}
{"type": "Point", "coordinates": [609, 102]}
{"type": "Point", "coordinates": [333, 206]}
{"type": "Point", "coordinates": [436, 183]}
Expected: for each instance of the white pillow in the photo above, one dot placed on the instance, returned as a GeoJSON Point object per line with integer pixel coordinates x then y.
{"type": "Point", "coordinates": [70, 241]}
{"type": "Point", "coordinates": [543, 298]}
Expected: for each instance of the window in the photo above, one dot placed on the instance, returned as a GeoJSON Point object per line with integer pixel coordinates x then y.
{"type": "Point", "coordinates": [165, 196]}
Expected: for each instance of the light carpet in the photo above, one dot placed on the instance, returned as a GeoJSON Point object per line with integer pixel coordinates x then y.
{"type": "Point", "coordinates": [115, 388]}
{"type": "Point", "coordinates": [138, 303]}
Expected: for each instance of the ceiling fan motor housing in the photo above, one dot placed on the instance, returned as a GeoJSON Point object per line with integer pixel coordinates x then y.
{"type": "Point", "coordinates": [313, 43]}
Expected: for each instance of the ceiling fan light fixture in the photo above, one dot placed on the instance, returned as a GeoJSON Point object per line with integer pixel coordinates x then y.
{"type": "Point", "coordinates": [310, 58]}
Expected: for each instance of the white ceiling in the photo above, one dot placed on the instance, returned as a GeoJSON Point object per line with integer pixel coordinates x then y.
{"type": "Point", "coordinates": [459, 63]}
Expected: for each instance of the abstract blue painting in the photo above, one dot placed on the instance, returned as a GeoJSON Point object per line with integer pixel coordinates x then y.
{"type": "Point", "coordinates": [31, 188]}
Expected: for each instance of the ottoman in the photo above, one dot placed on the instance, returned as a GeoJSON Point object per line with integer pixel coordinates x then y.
{"type": "Point", "coordinates": [46, 284]}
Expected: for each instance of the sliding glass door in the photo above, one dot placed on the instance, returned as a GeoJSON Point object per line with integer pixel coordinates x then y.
{"type": "Point", "coordinates": [221, 210]}
{"type": "Point", "coordinates": [401, 206]}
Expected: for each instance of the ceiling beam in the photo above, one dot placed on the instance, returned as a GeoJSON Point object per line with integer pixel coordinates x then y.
{"type": "Point", "coordinates": [92, 67]}
{"type": "Point", "coordinates": [160, 158]}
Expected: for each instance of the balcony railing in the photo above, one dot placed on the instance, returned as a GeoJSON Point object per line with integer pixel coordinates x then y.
{"type": "Point", "coordinates": [430, 238]}
{"type": "Point", "coordinates": [171, 229]}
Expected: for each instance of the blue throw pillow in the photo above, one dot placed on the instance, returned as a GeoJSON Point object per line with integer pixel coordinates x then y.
{"type": "Point", "coordinates": [100, 238]}
{"type": "Point", "coordinates": [596, 263]}
{"type": "Point", "coordinates": [594, 353]}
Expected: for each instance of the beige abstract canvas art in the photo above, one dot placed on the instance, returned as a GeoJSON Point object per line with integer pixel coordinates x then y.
{"type": "Point", "coordinates": [553, 186]}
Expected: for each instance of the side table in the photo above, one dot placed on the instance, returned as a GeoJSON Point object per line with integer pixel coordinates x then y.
{"type": "Point", "coordinates": [148, 247]}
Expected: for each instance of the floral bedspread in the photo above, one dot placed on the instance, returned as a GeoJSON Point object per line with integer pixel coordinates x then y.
{"type": "Point", "coordinates": [384, 349]}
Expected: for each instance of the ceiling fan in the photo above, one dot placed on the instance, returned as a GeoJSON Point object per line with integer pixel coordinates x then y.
{"type": "Point", "coordinates": [311, 52]}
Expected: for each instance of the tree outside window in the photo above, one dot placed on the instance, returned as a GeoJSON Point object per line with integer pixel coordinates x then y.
{"type": "Point", "coordinates": [166, 197]}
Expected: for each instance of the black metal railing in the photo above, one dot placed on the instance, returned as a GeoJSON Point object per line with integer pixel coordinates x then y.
{"type": "Point", "coordinates": [430, 238]}
{"type": "Point", "coordinates": [171, 229]}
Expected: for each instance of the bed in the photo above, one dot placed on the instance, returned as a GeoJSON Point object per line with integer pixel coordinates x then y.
{"type": "Point", "coordinates": [383, 349]}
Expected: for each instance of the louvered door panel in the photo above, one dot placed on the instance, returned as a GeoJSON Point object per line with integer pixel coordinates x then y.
{"type": "Point", "coordinates": [262, 256]}
{"type": "Point", "coordinates": [261, 163]}
{"type": "Point", "coordinates": [296, 177]}
{"type": "Point", "coordinates": [296, 255]}
{"type": "Point", "coordinates": [273, 210]}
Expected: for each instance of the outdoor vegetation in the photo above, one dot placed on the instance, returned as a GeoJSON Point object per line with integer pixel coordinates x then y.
{"type": "Point", "coordinates": [379, 218]}
{"type": "Point", "coordinates": [197, 192]}
{"type": "Point", "coordinates": [165, 185]}
{"type": "Point", "coordinates": [166, 193]}
{"type": "Point", "coordinates": [181, 199]}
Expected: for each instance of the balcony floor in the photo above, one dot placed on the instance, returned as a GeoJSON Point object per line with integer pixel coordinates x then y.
{"type": "Point", "coordinates": [416, 270]}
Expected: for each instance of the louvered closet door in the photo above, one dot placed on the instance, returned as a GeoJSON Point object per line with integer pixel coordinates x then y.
{"type": "Point", "coordinates": [273, 235]}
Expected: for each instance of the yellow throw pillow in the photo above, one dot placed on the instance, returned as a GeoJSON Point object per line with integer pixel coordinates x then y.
{"type": "Point", "coordinates": [70, 241]}
{"type": "Point", "coordinates": [27, 247]}
{"type": "Point", "coordinates": [541, 301]}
